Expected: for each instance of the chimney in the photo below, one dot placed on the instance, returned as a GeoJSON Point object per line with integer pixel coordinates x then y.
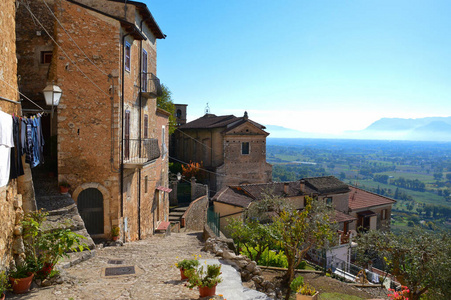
{"type": "Point", "coordinates": [245, 115]}
{"type": "Point", "coordinates": [285, 187]}
{"type": "Point", "coordinates": [302, 186]}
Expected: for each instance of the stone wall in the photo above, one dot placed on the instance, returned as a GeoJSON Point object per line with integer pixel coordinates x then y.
{"type": "Point", "coordinates": [196, 215]}
{"type": "Point", "coordinates": [11, 212]}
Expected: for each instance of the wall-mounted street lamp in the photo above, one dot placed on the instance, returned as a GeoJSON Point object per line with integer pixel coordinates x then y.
{"type": "Point", "coordinates": [52, 95]}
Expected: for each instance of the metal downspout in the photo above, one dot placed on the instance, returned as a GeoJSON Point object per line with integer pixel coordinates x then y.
{"type": "Point", "coordinates": [123, 123]}
{"type": "Point", "coordinates": [139, 134]}
{"type": "Point", "coordinates": [140, 128]}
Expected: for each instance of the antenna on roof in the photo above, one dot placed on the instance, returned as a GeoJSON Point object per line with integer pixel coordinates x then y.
{"type": "Point", "coordinates": [207, 109]}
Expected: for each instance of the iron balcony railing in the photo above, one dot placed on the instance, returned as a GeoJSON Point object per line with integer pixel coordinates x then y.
{"type": "Point", "coordinates": [150, 85]}
{"type": "Point", "coordinates": [138, 152]}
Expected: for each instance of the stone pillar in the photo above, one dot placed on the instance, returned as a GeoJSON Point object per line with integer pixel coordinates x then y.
{"type": "Point", "coordinates": [26, 188]}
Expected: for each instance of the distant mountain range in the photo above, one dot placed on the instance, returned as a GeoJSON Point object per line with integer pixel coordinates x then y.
{"type": "Point", "coordinates": [421, 129]}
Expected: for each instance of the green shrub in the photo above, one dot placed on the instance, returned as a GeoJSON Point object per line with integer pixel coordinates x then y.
{"type": "Point", "coordinates": [297, 283]}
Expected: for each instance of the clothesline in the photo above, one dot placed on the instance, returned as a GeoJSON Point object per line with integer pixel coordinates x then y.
{"type": "Point", "coordinates": [19, 135]}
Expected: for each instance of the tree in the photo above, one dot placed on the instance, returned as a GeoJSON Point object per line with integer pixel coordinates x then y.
{"type": "Point", "coordinates": [448, 177]}
{"type": "Point", "coordinates": [438, 176]}
{"type": "Point", "coordinates": [165, 102]}
{"type": "Point", "coordinates": [193, 169]}
{"type": "Point", "coordinates": [256, 230]}
{"type": "Point", "coordinates": [419, 259]}
{"type": "Point", "coordinates": [300, 231]}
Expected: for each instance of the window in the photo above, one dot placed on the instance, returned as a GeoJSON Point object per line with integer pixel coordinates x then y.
{"type": "Point", "coordinates": [46, 57]}
{"type": "Point", "coordinates": [245, 148]}
{"type": "Point", "coordinates": [384, 214]}
{"type": "Point", "coordinates": [146, 126]}
{"type": "Point", "coordinates": [127, 56]}
{"type": "Point", "coordinates": [164, 149]}
{"type": "Point", "coordinates": [179, 113]}
{"type": "Point", "coordinates": [146, 184]}
{"type": "Point", "coordinates": [144, 72]}
{"type": "Point", "coordinates": [127, 135]}
{"type": "Point", "coordinates": [328, 200]}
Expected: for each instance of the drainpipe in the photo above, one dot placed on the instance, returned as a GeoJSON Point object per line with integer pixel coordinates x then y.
{"type": "Point", "coordinates": [123, 122]}
{"type": "Point", "coordinates": [140, 127]}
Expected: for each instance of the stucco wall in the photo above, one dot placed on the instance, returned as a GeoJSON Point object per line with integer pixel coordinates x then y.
{"type": "Point", "coordinates": [225, 210]}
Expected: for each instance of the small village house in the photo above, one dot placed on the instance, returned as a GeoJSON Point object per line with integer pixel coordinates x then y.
{"type": "Point", "coordinates": [109, 138]}
{"type": "Point", "coordinates": [354, 209]}
{"type": "Point", "coordinates": [232, 149]}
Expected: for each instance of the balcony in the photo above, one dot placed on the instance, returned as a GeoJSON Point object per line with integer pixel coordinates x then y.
{"type": "Point", "coordinates": [133, 147]}
{"type": "Point", "coordinates": [151, 87]}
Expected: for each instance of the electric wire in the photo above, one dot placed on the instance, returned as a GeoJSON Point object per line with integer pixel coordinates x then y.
{"type": "Point", "coordinates": [194, 139]}
{"type": "Point", "coordinates": [65, 53]}
{"type": "Point", "coordinates": [22, 94]}
{"type": "Point", "coordinates": [56, 18]}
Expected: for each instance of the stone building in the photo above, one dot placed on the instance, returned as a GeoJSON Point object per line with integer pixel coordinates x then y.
{"type": "Point", "coordinates": [111, 139]}
{"type": "Point", "coordinates": [355, 209]}
{"type": "Point", "coordinates": [232, 149]}
{"type": "Point", "coordinates": [16, 196]}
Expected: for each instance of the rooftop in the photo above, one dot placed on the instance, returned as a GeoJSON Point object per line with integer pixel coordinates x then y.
{"type": "Point", "coordinates": [359, 199]}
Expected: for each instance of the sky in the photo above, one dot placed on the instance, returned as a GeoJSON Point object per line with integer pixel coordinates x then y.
{"type": "Point", "coordinates": [315, 66]}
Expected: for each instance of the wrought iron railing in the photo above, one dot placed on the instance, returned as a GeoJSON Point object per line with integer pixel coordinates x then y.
{"type": "Point", "coordinates": [151, 85]}
{"type": "Point", "coordinates": [140, 150]}
{"type": "Point", "coordinates": [213, 220]}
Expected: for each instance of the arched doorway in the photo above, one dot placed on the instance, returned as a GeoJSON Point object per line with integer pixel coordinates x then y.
{"type": "Point", "coordinates": [90, 207]}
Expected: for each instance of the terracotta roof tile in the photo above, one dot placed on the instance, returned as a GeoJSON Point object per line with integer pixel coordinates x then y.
{"type": "Point", "coordinates": [232, 196]}
{"type": "Point", "coordinates": [359, 199]}
{"type": "Point", "coordinates": [326, 185]}
{"type": "Point", "coordinates": [212, 121]}
{"type": "Point", "coordinates": [342, 217]}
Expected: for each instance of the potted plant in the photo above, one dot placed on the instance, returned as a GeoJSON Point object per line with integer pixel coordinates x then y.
{"type": "Point", "coordinates": [21, 278]}
{"type": "Point", "coordinates": [186, 264]}
{"type": "Point", "coordinates": [115, 232]}
{"type": "Point", "coordinates": [296, 283]}
{"type": "Point", "coordinates": [44, 248]}
{"type": "Point", "coordinates": [4, 285]}
{"type": "Point", "coordinates": [205, 280]}
{"type": "Point", "coordinates": [64, 187]}
{"type": "Point", "coordinates": [306, 292]}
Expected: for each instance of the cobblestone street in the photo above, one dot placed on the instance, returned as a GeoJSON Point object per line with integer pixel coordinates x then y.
{"type": "Point", "coordinates": [156, 276]}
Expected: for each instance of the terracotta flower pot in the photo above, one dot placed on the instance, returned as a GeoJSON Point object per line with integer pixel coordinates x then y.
{"type": "Point", "coordinates": [115, 237]}
{"type": "Point", "coordinates": [182, 274]}
{"type": "Point", "coordinates": [205, 291]}
{"type": "Point", "coordinates": [2, 297]}
{"type": "Point", "coordinates": [21, 285]}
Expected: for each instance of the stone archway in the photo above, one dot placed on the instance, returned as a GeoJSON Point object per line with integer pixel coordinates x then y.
{"type": "Point", "coordinates": [92, 200]}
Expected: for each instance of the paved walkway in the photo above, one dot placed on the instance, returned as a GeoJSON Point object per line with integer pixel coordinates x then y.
{"type": "Point", "coordinates": [156, 275]}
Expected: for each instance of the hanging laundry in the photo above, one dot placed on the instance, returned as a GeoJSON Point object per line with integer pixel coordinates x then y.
{"type": "Point", "coordinates": [6, 143]}
{"type": "Point", "coordinates": [33, 140]}
{"type": "Point", "coordinates": [16, 152]}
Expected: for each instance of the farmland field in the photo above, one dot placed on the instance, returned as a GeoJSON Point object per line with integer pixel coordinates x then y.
{"type": "Point", "coordinates": [416, 174]}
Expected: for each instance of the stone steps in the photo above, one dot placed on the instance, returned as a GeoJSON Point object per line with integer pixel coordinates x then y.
{"type": "Point", "coordinates": [63, 213]}
{"type": "Point", "coordinates": [176, 213]}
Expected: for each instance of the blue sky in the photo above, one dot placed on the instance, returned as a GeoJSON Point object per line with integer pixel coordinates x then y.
{"type": "Point", "coordinates": [314, 66]}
